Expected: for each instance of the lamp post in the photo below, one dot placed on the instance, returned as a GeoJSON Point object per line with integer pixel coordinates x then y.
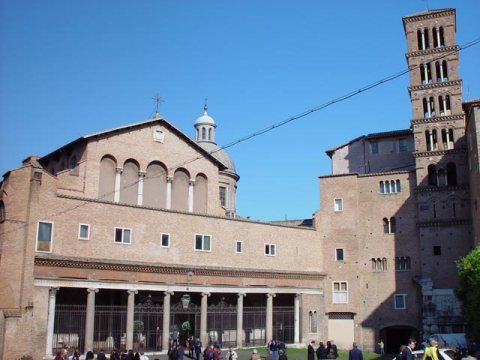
{"type": "Point", "coordinates": [185, 299]}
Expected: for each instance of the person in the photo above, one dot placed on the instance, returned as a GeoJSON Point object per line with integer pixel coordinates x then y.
{"type": "Point", "coordinates": [407, 353]}
{"type": "Point", "coordinates": [283, 347]}
{"type": "Point", "coordinates": [274, 348]}
{"type": "Point", "coordinates": [311, 351]}
{"type": "Point", "coordinates": [431, 351]}
{"type": "Point", "coordinates": [76, 355]}
{"type": "Point", "coordinates": [143, 356]}
{"type": "Point", "coordinates": [208, 353]}
{"type": "Point", "coordinates": [231, 354]}
{"type": "Point", "coordinates": [321, 351]}
{"type": "Point", "coordinates": [191, 346]}
{"type": "Point", "coordinates": [355, 353]}
{"type": "Point", "coordinates": [282, 355]}
{"type": "Point", "coordinates": [58, 356]}
{"type": "Point", "coordinates": [198, 348]}
{"type": "Point", "coordinates": [101, 355]}
{"type": "Point", "coordinates": [137, 356]}
{"type": "Point", "coordinates": [381, 347]}
{"type": "Point", "coordinates": [173, 353]}
{"type": "Point", "coordinates": [89, 355]}
{"type": "Point", "coordinates": [255, 355]}
{"type": "Point", "coordinates": [180, 351]}
{"type": "Point", "coordinates": [269, 355]}
{"type": "Point", "coordinates": [331, 354]}
{"type": "Point", "coordinates": [334, 348]}
{"type": "Point", "coordinates": [399, 355]}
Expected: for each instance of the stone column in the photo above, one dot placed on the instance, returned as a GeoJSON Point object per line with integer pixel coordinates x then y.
{"type": "Point", "coordinates": [438, 36]}
{"type": "Point", "coordinates": [90, 319]}
{"type": "Point", "coordinates": [141, 176]}
{"type": "Point", "coordinates": [118, 178]}
{"type": "Point", "coordinates": [203, 319]}
{"type": "Point", "coordinates": [130, 316]}
{"type": "Point", "coordinates": [296, 319]}
{"type": "Point", "coordinates": [423, 40]}
{"type": "Point", "coordinates": [51, 319]}
{"type": "Point", "coordinates": [191, 183]}
{"type": "Point", "coordinates": [240, 320]}
{"type": "Point", "coordinates": [169, 192]}
{"type": "Point", "coordinates": [430, 139]}
{"type": "Point", "coordinates": [269, 318]}
{"type": "Point", "coordinates": [166, 320]}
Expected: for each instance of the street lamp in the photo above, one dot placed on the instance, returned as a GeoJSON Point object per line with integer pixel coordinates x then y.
{"type": "Point", "coordinates": [185, 299]}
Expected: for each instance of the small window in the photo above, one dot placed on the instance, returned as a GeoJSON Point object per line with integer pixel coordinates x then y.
{"type": "Point", "coordinates": [2, 211]}
{"type": "Point", "coordinates": [402, 263]}
{"type": "Point", "coordinates": [402, 145]}
{"type": "Point", "coordinates": [158, 136]}
{"type": "Point", "coordinates": [84, 231]}
{"type": "Point", "coordinates": [437, 250]}
{"type": "Point", "coordinates": [339, 254]}
{"type": "Point", "coordinates": [338, 205]}
{"type": "Point", "coordinates": [270, 250]}
{"type": "Point", "coordinates": [44, 236]}
{"type": "Point", "coordinates": [165, 238]}
{"type": "Point", "coordinates": [223, 196]}
{"type": "Point", "coordinates": [374, 147]}
{"type": "Point", "coordinates": [312, 316]}
{"type": "Point", "coordinates": [400, 301]}
{"type": "Point", "coordinates": [340, 292]}
{"type": "Point", "coordinates": [202, 242]}
{"type": "Point", "coordinates": [123, 235]}
{"type": "Point", "coordinates": [239, 247]}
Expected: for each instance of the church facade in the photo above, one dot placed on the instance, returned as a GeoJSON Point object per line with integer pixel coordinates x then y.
{"type": "Point", "coordinates": [129, 238]}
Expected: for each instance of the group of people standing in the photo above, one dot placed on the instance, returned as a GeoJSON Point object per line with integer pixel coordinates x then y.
{"type": "Point", "coordinates": [328, 351]}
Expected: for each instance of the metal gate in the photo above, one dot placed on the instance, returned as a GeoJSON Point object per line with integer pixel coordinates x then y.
{"type": "Point", "coordinates": [69, 327]}
{"type": "Point", "coordinates": [254, 325]}
{"type": "Point", "coordinates": [283, 324]}
{"type": "Point", "coordinates": [148, 326]}
{"type": "Point", "coordinates": [222, 324]}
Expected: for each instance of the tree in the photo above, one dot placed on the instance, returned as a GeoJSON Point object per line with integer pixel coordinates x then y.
{"type": "Point", "coordinates": [468, 290]}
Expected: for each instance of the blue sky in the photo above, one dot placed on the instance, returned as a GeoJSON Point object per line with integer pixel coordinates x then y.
{"type": "Point", "coordinates": [70, 68]}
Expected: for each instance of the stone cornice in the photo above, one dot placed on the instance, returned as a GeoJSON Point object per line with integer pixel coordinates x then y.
{"type": "Point", "coordinates": [441, 223]}
{"type": "Point", "coordinates": [444, 49]}
{"type": "Point", "coordinates": [108, 265]}
{"type": "Point", "coordinates": [436, 119]}
{"type": "Point", "coordinates": [434, 85]}
{"type": "Point", "coordinates": [424, 189]}
{"type": "Point", "coordinates": [419, 154]}
{"type": "Point", "coordinates": [432, 14]}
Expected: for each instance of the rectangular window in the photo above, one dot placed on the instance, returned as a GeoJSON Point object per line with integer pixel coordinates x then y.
{"type": "Point", "coordinates": [270, 250]}
{"type": "Point", "coordinates": [123, 235]}
{"type": "Point", "coordinates": [202, 242]}
{"type": "Point", "coordinates": [437, 250]}
{"type": "Point", "coordinates": [238, 247]}
{"type": "Point", "coordinates": [44, 236]}
{"type": "Point", "coordinates": [223, 196]}
{"type": "Point", "coordinates": [374, 147]}
{"type": "Point", "coordinates": [165, 240]}
{"type": "Point", "coordinates": [340, 292]}
{"type": "Point", "coordinates": [338, 205]}
{"type": "Point", "coordinates": [400, 302]}
{"type": "Point", "coordinates": [402, 145]}
{"type": "Point", "coordinates": [339, 254]}
{"type": "Point", "coordinates": [84, 231]}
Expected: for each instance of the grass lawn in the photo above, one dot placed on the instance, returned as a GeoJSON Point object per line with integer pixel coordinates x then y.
{"type": "Point", "coordinates": [301, 354]}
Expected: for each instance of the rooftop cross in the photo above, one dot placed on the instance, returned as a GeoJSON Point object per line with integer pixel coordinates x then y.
{"type": "Point", "coordinates": [157, 100]}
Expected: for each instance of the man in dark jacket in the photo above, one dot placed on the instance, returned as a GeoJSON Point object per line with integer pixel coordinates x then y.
{"type": "Point", "coordinates": [355, 353]}
{"type": "Point", "coordinates": [407, 353]}
{"type": "Point", "coordinates": [311, 351]}
{"type": "Point", "coordinates": [321, 352]}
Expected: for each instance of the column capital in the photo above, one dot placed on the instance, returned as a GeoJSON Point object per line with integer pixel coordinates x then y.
{"type": "Point", "coordinates": [206, 294]}
{"type": "Point", "coordinates": [169, 179]}
{"type": "Point", "coordinates": [191, 182]}
{"type": "Point", "coordinates": [92, 290]}
{"type": "Point", "coordinates": [53, 291]}
{"type": "Point", "coordinates": [135, 292]}
{"type": "Point", "coordinates": [118, 170]}
{"type": "Point", "coordinates": [297, 295]}
{"type": "Point", "coordinates": [241, 294]}
{"type": "Point", "coordinates": [168, 293]}
{"type": "Point", "coordinates": [270, 295]}
{"type": "Point", "coordinates": [141, 174]}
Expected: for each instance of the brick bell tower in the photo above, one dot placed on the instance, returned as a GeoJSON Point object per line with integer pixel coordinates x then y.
{"type": "Point", "coordinates": [438, 123]}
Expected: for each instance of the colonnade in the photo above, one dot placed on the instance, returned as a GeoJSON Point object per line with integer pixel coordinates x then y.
{"type": "Point", "coordinates": [90, 318]}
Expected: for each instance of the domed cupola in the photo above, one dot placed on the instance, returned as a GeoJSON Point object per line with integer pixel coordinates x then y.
{"type": "Point", "coordinates": [205, 127]}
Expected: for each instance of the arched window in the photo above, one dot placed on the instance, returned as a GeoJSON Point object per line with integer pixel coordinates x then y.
{"type": "Point", "coordinates": [2, 211]}
{"type": "Point", "coordinates": [180, 190]}
{"type": "Point", "coordinates": [106, 184]}
{"type": "Point", "coordinates": [155, 186]}
{"type": "Point", "coordinates": [399, 188]}
{"type": "Point", "coordinates": [442, 178]}
{"type": "Point", "coordinates": [432, 175]}
{"type": "Point", "coordinates": [382, 187]}
{"type": "Point", "coordinates": [438, 38]}
{"type": "Point", "coordinates": [427, 140]}
{"type": "Point", "coordinates": [444, 70]}
{"type": "Point", "coordinates": [200, 192]}
{"type": "Point", "coordinates": [427, 39]}
{"type": "Point", "coordinates": [451, 140]}
{"type": "Point", "coordinates": [419, 39]}
{"type": "Point", "coordinates": [387, 187]}
{"type": "Point", "coordinates": [393, 225]}
{"type": "Point", "coordinates": [384, 264]}
{"type": "Point", "coordinates": [386, 226]}
{"type": "Point", "coordinates": [442, 36]}
{"type": "Point", "coordinates": [428, 107]}
{"type": "Point", "coordinates": [204, 133]}
{"type": "Point", "coordinates": [451, 174]}
{"type": "Point", "coordinates": [444, 102]}
{"type": "Point", "coordinates": [129, 183]}
{"type": "Point", "coordinates": [393, 186]}
{"type": "Point", "coordinates": [210, 134]}
{"type": "Point", "coordinates": [373, 261]}
{"type": "Point", "coordinates": [426, 73]}
{"type": "Point", "coordinates": [434, 140]}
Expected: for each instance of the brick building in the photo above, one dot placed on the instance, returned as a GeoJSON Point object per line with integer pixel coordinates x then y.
{"type": "Point", "coordinates": [129, 237]}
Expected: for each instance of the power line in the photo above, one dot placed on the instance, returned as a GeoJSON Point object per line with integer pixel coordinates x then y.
{"type": "Point", "coordinates": [275, 126]}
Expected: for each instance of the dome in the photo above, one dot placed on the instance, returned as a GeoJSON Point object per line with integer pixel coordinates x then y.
{"type": "Point", "coordinates": [205, 119]}
{"type": "Point", "coordinates": [220, 154]}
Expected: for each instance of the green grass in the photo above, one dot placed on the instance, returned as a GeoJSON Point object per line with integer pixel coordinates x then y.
{"type": "Point", "coordinates": [301, 354]}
